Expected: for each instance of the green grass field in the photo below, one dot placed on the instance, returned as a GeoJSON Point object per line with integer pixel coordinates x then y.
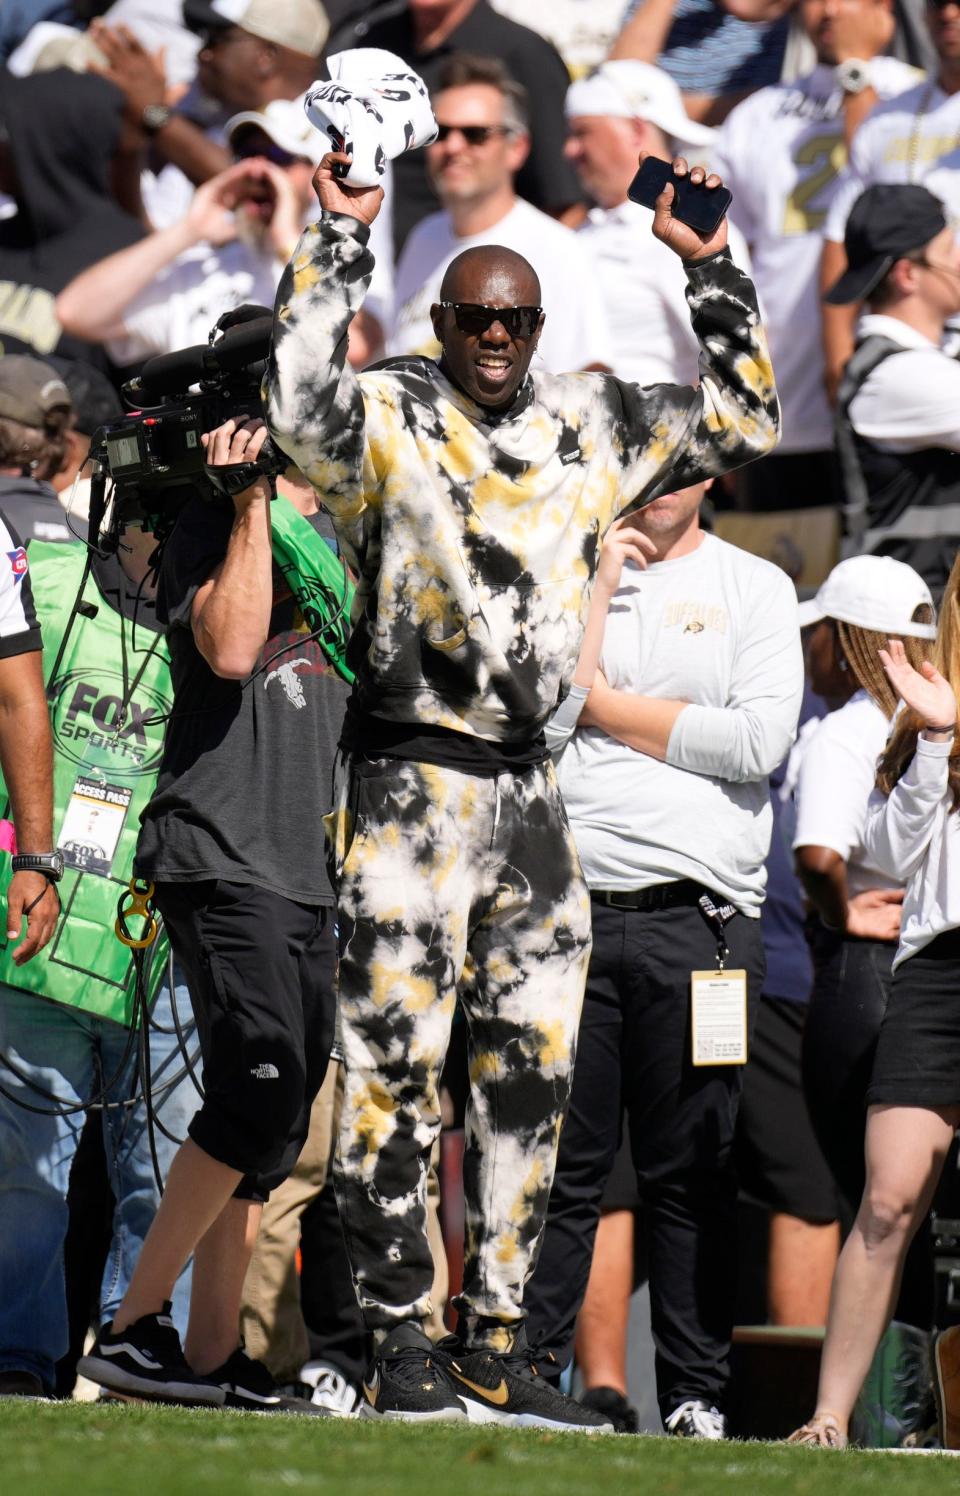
{"type": "Point", "coordinates": [72, 1449]}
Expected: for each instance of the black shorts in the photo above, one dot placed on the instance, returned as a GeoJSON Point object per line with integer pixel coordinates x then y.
{"type": "Point", "coordinates": [261, 972]}
{"type": "Point", "coordinates": [620, 1191]}
{"type": "Point", "coordinates": [918, 1052]}
{"type": "Point", "coordinates": [779, 1161]}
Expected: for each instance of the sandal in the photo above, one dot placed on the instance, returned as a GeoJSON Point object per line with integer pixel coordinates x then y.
{"type": "Point", "coordinates": [822, 1432]}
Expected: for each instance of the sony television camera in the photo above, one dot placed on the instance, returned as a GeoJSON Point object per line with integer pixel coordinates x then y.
{"type": "Point", "coordinates": [154, 457]}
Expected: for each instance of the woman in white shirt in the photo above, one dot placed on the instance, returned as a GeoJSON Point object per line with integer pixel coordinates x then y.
{"type": "Point", "coordinates": [913, 833]}
{"type": "Point", "coordinates": [855, 923]}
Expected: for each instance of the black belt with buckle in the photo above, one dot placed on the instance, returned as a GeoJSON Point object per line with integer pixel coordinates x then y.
{"type": "Point", "coordinates": [659, 896]}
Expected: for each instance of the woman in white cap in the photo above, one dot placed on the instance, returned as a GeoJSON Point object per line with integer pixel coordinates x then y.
{"type": "Point", "coordinates": [855, 914]}
{"type": "Point", "coordinates": [911, 833]}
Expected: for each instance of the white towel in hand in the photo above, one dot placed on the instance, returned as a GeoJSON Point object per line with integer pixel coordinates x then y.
{"type": "Point", "coordinates": [374, 108]}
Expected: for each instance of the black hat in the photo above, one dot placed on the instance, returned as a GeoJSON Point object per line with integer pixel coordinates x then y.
{"type": "Point", "coordinates": [885, 223]}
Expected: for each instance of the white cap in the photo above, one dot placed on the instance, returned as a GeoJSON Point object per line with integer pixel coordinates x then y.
{"type": "Point", "coordinates": [301, 25]}
{"type": "Point", "coordinates": [636, 90]}
{"type": "Point", "coordinates": [285, 123]}
{"type": "Point", "coordinates": [872, 592]}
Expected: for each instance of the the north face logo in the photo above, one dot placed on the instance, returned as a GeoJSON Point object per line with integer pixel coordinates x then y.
{"type": "Point", "coordinates": [265, 1072]}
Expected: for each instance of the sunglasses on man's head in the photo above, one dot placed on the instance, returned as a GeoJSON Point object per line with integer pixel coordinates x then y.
{"type": "Point", "coordinates": [471, 318]}
{"type": "Point", "coordinates": [472, 134]}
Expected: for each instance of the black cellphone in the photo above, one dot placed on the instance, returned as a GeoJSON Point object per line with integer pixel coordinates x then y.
{"type": "Point", "coordinates": [700, 206]}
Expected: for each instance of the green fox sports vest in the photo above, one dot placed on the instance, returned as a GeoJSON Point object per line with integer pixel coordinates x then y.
{"type": "Point", "coordinates": [317, 579]}
{"type": "Point", "coordinates": [104, 776]}
{"type": "Point", "coordinates": [102, 779]}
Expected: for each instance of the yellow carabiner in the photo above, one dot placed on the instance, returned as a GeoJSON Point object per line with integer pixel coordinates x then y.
{"type": "Point", "coordinates": [140, 894]}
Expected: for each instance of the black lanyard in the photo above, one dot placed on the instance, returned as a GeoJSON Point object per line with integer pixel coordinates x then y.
{"type": "Point", "coordinates": [718, 916]}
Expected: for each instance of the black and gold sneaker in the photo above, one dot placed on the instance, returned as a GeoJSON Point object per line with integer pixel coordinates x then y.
{"type": "Point", "coordinates": [406, 1382]}
{"type": "Point", "coordinates": [505, 1387]}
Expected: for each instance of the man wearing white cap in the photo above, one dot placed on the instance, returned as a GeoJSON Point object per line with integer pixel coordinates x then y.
{"type": "Point", "coordinates": [621, 109]}
{"type": "Point", "coordinates": [780, 152]}
{"type": "Point", "coordinates": [230, 247]}
{"type": "Point", "coordinates": [247, 54]}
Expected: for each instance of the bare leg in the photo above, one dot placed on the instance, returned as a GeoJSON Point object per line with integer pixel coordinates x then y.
{"type": "Point", "coordinates": [800, 1265]}
{"type": "Point", "coordinates": [196, 1191]}
{"type": "Point", "coordinates": [220, 1263]}
{"type": "Point", "coordinates": [601, 1345]}
{"type": "Point", "coordinates": [905, 1150]}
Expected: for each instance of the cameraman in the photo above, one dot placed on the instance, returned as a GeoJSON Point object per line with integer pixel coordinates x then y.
{"type": "Point", "coordinates": [231, 839]}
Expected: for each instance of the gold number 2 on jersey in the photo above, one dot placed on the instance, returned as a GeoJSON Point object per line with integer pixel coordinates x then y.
{"type": "Point", "coordinates": [828, 154]}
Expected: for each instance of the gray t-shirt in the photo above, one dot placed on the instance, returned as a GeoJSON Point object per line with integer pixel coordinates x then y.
{"type": "Point", "coordinates": [247, 766]}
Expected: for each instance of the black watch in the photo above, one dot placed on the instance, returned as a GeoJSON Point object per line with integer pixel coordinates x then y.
{"type": "Point", "coordinates": [50, 864]}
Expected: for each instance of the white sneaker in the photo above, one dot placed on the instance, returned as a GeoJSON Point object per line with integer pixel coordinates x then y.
{"type": "Point", "coordinates": [696, 1420]}
{"type": "Point", "coordinates": [330, 1388]}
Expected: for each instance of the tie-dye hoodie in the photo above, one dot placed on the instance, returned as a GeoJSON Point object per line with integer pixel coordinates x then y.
{"type": "Point", "coordinates": [474, 535]}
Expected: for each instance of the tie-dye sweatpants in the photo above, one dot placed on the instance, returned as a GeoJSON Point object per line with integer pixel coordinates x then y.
{"type": "Point", "coordinates": [453, 885]}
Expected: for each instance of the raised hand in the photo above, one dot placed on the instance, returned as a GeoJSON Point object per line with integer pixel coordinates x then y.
{"type": "Point", "coordinates": [680, 237]}
{"type": "Point", "coordinates": [337, 196]}
{"type": "Point", "coordinates": [861, 31]}
{"type": "Point", "coordinates": [622, 542]}
{"type": "Point", "coordinates": [210, 216]}
{"type": "Point", "coordinates": [140, 75]}
{"type": "Point", "coordinates": [925, 690]}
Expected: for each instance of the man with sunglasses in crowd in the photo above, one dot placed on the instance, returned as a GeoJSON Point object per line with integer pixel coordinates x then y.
{"type": "Point", "coordinates": [483, 139]}
{"type": "Point", "coordinates": [470, 498]}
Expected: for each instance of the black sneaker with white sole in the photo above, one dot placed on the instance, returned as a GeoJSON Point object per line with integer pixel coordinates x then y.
{"type": "Point", "coordinates": [248, 1386]}
{"type": "Point", "coordinates": [506, 1387]}
{"type": "Point", "coordinates": [406, 1382]}
{"type": "Point", "coordinates": [146, 1359]}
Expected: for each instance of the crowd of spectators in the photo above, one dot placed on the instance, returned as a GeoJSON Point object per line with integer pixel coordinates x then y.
{"type": "Point", "coordinates": [156, 168]}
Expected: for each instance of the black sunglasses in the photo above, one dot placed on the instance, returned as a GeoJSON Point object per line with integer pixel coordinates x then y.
{"type": "Point", "coordinates": [246, 149]}
{"type": "Point", "coordinates": [472, 134]}
{"type": "Point", "coordinates": [471, 318]}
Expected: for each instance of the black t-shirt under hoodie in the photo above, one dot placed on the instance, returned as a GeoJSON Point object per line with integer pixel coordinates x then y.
{"type": "Point", "coordinates": [63, 128]}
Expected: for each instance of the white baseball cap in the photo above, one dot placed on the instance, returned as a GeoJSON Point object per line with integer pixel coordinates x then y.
{"type": "Point", "coordinates": [636, 90]}
{"type": "Point", "coordinates": [284, 121]}
{"type": "Point", "coordinates": [301, 25]}
{"type": "Point", "coordinates": [872, 592]}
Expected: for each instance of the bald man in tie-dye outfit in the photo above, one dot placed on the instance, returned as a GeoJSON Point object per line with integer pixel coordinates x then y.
{"type": "Point", "coordinates": [470, 497]}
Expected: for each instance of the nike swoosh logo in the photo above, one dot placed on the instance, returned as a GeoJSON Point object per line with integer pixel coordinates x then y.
{"type": "Point", "coordinates": [498, 1395]}
{"type": "Point", "coordinates": [370, 1393]}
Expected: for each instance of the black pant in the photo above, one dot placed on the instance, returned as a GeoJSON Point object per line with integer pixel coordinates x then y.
{"type": "Point", "coordinates": [850, 992]}
{"type": "Point", "coordinates": [261, 974]}
{"type": "Point", "coordinates": [633, 1055]}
